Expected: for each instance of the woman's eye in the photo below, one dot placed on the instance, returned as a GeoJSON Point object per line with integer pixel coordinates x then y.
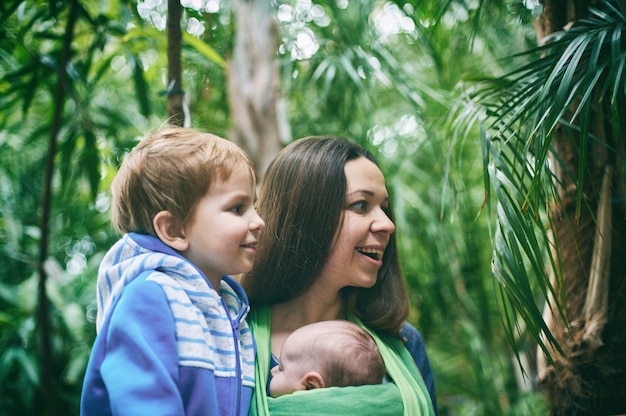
{"type": "Point", "coordinates": [359, 206]}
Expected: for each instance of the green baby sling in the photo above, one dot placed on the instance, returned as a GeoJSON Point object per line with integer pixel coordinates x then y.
{"type": "Point", "coordinates": [407, 395]}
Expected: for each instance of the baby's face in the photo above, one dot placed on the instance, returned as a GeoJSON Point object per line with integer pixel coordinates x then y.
{"type": "Point", "coordinates": [288, 376]}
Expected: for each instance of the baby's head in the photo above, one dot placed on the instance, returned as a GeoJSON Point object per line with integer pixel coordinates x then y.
{"type": "Point", "coordinates": [327, 354]}
{"type": "Point", "coordinates": [171, 170]}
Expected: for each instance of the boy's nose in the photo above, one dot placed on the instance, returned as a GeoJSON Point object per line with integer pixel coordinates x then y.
{"type": "Point", "coordinates": [257, 223]}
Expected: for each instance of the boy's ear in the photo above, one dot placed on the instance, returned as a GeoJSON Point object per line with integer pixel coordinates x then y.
{"type": "Point", "coordinates": [313, 380]}
{"type": "Point", "coordinates": [170, 230]}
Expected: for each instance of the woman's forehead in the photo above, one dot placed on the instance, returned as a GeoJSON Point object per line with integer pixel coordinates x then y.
{"type": "Point", "coordinates": [362, 175]}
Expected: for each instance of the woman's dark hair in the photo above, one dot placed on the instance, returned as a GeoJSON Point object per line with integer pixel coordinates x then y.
{"type": "Point", "coordinates": [302, 200]}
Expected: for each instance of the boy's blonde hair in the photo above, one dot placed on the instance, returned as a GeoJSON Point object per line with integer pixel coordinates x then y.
{"type": "Point", "coordinates": [170, 170]}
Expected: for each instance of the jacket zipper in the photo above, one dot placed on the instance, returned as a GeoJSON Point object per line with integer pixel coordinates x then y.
{"type": "Point", "coordinates": [234, 325]}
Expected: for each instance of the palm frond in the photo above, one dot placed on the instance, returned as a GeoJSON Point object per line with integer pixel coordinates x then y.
{"type": "Point", "coordinates": [564, 77]}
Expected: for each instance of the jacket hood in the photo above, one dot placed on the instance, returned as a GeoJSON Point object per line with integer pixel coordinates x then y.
{"type": "Point", "coordinates": [135, 254]}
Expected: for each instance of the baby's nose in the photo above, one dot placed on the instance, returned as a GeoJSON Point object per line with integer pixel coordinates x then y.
{"type": "Point", "coordinates": [274, 370]}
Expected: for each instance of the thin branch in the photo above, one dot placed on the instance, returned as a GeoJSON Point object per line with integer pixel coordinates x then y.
{"type": "Point", "coordinates": [48, 384]}
{"type": "Point", "coordinates": [175, 94]}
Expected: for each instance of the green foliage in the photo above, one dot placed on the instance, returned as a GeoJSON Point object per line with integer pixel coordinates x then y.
{"type": "Point", "coordinates": [72, 336]}
{"type": "Point", "coordinates": [519, 113]}
{"type": "Point", "coordinates": [98, 120]}
{"type": "Point", "coordinates": [388, 86]}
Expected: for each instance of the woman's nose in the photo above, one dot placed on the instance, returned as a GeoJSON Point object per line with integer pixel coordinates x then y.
{"type": "Point", "coordinates": [382, 223]}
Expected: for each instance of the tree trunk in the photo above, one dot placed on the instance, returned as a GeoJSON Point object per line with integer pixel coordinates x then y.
{"type": "Point", "coordinates": [260, 125]}
{"type": "Point", "coordinates": [590, 378]}
{"type": "Point", "coordinates": [175, 94]}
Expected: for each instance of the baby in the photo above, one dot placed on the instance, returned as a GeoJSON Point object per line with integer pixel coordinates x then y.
{"type": "Point", "coordinates": [326, 354]}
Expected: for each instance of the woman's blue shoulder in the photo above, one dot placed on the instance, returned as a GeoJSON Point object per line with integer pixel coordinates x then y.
{"type": "Point", "coordinates": [411, 335]}
{"type": "Point", "coordinates": [415, 344]}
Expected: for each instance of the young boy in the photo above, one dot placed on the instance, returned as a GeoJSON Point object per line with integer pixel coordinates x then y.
{"type": "Point", "coordinates": [326, 354]}
{"type": "Point", "coordinates": [172, 336]}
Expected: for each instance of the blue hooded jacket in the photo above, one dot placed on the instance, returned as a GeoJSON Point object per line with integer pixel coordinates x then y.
{"type": "Point", "coordinates": [167, 343]}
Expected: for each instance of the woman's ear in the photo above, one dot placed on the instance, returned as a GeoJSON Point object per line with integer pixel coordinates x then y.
{"type": "Point", "coordinates": [170, 230]}
{"type": "Point", "coordinates": [313, 380]}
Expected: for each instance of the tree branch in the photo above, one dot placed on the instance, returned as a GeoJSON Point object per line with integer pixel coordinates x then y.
{"type": "Point", "coordinates": [48, 384]}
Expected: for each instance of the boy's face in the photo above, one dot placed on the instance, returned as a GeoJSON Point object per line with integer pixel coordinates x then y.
{"type": "Point", "coordinates": [224, 229]}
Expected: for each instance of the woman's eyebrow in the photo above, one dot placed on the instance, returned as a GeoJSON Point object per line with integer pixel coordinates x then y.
{"type": "Point", "coordinates": [362, 191]}
{"type": "Point", "coordinates": [366, 192]}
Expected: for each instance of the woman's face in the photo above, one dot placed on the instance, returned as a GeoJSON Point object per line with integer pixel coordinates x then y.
{"type": "Point", "coordinates": [357, 252]}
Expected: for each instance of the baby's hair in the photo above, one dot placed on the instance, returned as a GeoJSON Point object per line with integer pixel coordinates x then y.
{"type": "Point", "coordinates": [348, 356]}
{"type": "Point", "coordinates": [170, 170]}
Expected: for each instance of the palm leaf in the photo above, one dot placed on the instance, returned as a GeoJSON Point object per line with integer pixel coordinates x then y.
{"type": "Point", "coordinates": [520, 112]}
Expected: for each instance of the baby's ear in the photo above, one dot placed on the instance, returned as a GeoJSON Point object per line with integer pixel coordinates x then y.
{"type": "Point", "coordinates": [313, 380]}
{"type": "Point", "coordinates": [170, 230]}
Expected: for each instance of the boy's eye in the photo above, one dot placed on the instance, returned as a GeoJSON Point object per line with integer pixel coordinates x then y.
{"type": "Point", "coordinates": [237, 209]}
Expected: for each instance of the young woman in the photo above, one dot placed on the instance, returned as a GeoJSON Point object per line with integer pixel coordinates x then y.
{"type": "Point", "coordinates": [329, 252]}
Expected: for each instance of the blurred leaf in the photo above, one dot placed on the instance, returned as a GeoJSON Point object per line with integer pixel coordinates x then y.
{"type": "Point", "coordinates": [141, 87]}
{"type": "Point", "coordinates": [204, 49]}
